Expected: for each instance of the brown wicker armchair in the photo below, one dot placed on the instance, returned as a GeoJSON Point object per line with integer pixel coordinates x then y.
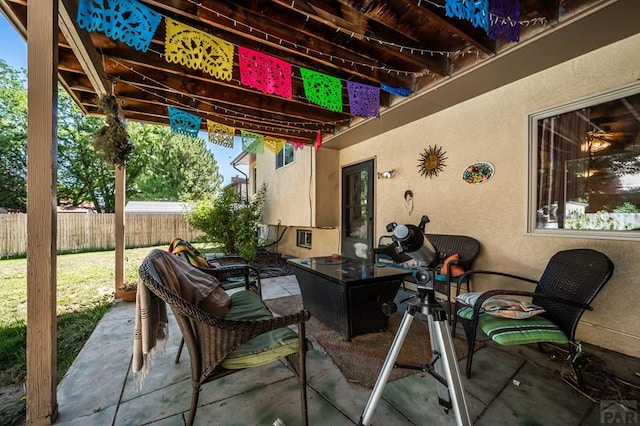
{"type": "Point", "coordinates": [218, 345]}
{"type": "Point", "coordinates": [568, 285]}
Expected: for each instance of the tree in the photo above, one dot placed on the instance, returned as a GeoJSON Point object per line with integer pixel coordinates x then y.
{"type": "Point", "coordinates": [13, 138]}
{"type": "Point", "coordinates": [162, 166]}
{"type": "Point", "coordinates": [231, 221]}
{"type": "Point", "coordinates": [82, 174]}
{"type": "Point", "coordinates": [176, 167]}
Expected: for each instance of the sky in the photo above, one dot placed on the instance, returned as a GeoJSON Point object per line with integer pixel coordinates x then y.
{"type": "Point", "coordinates": [14, 53]}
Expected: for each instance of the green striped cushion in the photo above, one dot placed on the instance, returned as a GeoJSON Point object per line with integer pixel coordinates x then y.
{"type": "Point", "coordinates": [262, 349]}
{"type": "Point", "coordinates": [506, 331]}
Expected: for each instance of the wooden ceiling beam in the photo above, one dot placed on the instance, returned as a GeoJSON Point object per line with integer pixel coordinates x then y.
{"type": "Point", "coordinates": [338, 27]}
{"type": "Point", "coordinates": [225, 95]}
{"type": "Point", "coordinates": [332, 61]}
{"type": "Point", "coordinates": [83, 48]}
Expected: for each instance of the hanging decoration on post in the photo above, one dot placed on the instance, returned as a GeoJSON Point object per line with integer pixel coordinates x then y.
{"type": "Point", "coordinates": [274, 144]}
{"type": "Point", "coordinates": [198, 50]}
{"type": "Point", "coordinates": [431, 161]}
{"type": "Point", "coordinates": [505, 20]}
{"type": "Point", "coordinates": [264, 72]}
{"type": "Point", "coordinates": [183, 122]}
{"type": "Point", "coordinates": [322, 89]}
{"type": "Point", "coordinates": [252, 142]}
{"type": "Point", "coordinates": [128, 21]}
{"type": "Point", "coordinates": [220, 134]}
{"type": "Point", "coordinates": [112, 140]}
{"type": "Point", "coordinates": [476, 11]}
{"type": "Point", "coordinates": [364, 100]}
{"type": "Point", "coordinates": [318, 140]}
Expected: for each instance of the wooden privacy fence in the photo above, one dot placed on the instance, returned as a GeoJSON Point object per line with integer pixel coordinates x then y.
{"type": "Point", "coordinates": [86, 232]}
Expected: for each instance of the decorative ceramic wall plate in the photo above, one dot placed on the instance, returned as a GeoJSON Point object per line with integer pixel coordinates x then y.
{"type": "Point", "coordinates": [478, 172]}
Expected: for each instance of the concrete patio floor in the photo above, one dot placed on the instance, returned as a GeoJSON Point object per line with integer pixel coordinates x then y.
{"type": "Point", "coordinates": [509, 387]}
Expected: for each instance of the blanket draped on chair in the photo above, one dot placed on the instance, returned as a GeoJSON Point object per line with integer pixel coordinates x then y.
{"type": "Point", "coordinates": [150, 329]}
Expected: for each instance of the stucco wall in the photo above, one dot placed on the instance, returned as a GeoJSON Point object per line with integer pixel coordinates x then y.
{"type": "Point", "coordinates": [289, 188]}
{"type": "Point", "coordinates": [493, 128]}
{"type": "Point", "coordinates": [325, 241]}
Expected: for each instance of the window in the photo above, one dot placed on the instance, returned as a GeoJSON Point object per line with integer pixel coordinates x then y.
{"type": "Point", "coordinates": [285, 156]}
{"type": "Point", "coordinates": [304, 238]}
{"type": "Point", "coordinates": [585, 167]}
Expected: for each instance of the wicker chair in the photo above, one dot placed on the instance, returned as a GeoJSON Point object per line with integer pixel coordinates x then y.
{"type": "Point", "coordinates": [570, 282]}
{"type": "Point", "coordinates": [227, 268]}
{"type": "Point", "coordinates": [214, 343]}
{"type": "Point", "coordinates": [467, 249]}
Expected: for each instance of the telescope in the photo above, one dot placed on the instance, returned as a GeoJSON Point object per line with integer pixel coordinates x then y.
{"type": "Point", "coordinates": [410, 239]}
{"type": "Point", "coordinates": [409, 242]}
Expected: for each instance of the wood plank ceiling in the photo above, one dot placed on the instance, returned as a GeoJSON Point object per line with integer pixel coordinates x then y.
{"type": "Point", "coordinates": [407, 44]}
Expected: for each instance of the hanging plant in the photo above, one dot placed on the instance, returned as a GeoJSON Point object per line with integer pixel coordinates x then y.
{"type": "Point", "coordinates": [112, 140]}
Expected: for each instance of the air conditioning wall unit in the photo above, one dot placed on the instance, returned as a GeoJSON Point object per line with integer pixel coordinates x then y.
{"type": "Point", "coordinates": [263, 231]}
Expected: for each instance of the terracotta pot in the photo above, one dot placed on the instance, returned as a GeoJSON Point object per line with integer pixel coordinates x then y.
{"type": "Point", "coordinates": [126, 295]}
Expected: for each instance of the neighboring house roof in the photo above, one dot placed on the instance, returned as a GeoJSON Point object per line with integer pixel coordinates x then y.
{"type": "Point", "coordinates": [74, 209]}
{"type": "Point", "coordinates": [157, 207]}
{"type": "Point", "coordinates": [236, 181]}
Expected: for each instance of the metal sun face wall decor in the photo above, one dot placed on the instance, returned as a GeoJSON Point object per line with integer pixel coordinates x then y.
{"type": "Point", "coordinates": [431, 161]}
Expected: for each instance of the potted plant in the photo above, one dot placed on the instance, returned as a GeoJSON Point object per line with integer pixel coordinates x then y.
{"type": "Point", "coordinates": [127, 292]}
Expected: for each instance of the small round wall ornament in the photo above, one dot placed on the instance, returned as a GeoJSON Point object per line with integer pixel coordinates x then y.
{"type": "Point", "coordinates": [431, 161]}
{"type": "Point", "coordinates": [479, 172]}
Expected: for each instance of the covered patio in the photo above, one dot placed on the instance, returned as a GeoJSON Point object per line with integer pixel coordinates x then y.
{"type": "Point", "coordinates": [410, 45]}
{"type": "Point", "coordinates": [509, 386]}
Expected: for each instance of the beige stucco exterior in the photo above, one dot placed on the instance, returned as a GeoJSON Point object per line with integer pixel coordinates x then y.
{"type": "Point", "coordinates": [491, 127]}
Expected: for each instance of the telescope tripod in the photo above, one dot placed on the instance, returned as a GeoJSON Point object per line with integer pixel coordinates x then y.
{"type": "Point", "coordinates": [443, 366]}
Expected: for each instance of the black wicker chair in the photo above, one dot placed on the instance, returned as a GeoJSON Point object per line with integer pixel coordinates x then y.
{"type": "Point", "coordinates": [211, 340]}
{"type": "Point", "coordinates": [467, 249]}
{"type": "Point", "coordinates": [570, 282]}
{"type": "Point", "coordinates": [225, 268]}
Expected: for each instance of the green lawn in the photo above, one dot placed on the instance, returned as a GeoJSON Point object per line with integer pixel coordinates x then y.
{"type": "Point", "coordinates": [85, 291]}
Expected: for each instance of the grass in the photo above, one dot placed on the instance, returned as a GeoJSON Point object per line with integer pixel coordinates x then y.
{"type": "Point", "coordinates": [85, 291]}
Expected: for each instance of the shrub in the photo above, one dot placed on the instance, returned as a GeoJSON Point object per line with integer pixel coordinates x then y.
{"type": "Point", "coordinates": [230, 221]}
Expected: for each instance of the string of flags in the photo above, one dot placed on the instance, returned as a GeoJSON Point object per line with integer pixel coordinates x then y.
{"type": "Point", "coordinates": [498, 18]}
{"type": "Point", "coordinates": [135, 24]}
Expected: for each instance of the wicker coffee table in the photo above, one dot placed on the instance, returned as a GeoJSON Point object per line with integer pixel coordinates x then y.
{"type": "Point", "coordinates": [347, 294]}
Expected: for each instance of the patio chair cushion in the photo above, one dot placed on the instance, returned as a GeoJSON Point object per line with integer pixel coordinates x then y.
{"type": "Point", "coordinates": [504, 307]}
{"type": "Point", "coordinates": [507, 331]}
{"type": "Point", "coordinates": [262, 349]}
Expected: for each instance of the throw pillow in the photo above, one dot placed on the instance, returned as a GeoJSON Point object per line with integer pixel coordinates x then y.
{"type": "Point", "coordinates": [455, 269]}
{"type": "Point", "coordinates": [504, 307]}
